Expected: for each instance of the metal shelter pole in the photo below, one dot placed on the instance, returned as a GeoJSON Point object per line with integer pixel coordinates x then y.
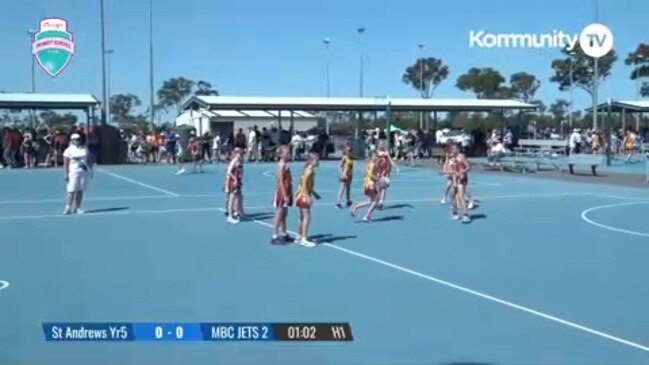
{"type": "Point", "coordinates": [608, 134]}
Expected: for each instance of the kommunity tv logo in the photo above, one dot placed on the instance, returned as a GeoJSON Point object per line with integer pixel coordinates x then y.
{"type": "Point", "coordinates": [596, 40]}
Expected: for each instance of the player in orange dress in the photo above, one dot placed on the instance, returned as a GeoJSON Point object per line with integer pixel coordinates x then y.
{"type": "Point", "coordinates": [369, 189]}
{"type": "Point", "coordinates": [304, 199]}
{"type": "Point", "coordinates": [346, 174]}
{"type": "Point", "coordinates": [233, 188]}
{"type": "Point", "coordinates": [283, 196]}
{"type": "Point", "coordinates": [384, 165]}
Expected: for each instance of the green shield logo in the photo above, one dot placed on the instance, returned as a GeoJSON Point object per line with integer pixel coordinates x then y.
{"type": "Point", "coordinates": [53, 46]}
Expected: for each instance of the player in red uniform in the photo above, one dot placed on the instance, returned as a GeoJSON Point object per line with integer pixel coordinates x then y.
{"type": "Point", "coordinates": [233, 187]}
{"type": "Point", "coordinates": [384, 165]}
{"type": "Point", "coordinates": [283, 196]}
{"type": "Point", "coordinates": [196, 151]}
{"type": "Point", "coordinates": [459, 169]}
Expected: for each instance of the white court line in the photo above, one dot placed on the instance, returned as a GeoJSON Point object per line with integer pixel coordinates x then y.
{"type": "Point", "coordinates": [101, 198]}
{"type": "Point", "coordinates": [154, 197]}
{"type": "Point", "coordinates": [99, 214]}
{"type": "Point", "coordinates": [476, 293]}
{"type": "Point", "coordinates": [584, 216]}
{"type": "Point", "coordinates": [616, 197]}
{"type": "Point", "coordinates": [436, 178]}
{"type": "Point", "coordinates": [4, 284]}
{"type": "Point", "coordinates": [260, 207]}
{"type": "Point", "coordinates": [138, 183]}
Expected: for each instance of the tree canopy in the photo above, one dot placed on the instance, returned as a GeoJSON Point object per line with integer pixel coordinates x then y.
{"type": "Point", "coordinates": [583, 75]}
{"type": "Point", "coordinates": [425, 75]}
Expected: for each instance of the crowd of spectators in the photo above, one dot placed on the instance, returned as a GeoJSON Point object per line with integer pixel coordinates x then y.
{"type": "Point", "coordinates": [27, 147]}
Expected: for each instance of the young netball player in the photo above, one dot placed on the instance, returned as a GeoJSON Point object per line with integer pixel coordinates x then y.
{"type": "Point", "coordinates": [304, 199]}
{"type": "Point", "coordinates": [383, 166]}
{"type": "Point", "coordinates": [196, 151]}
{"type": "Point", "coordinates": [179, 154]}
{"type": "Point", "coordinates": [283, 196]}
{"type": "Point", "coordinates": [445, 171]}
{"type": "Point", "coordinates": [346, 173]}
{"type": "Point", "coordinates": [459, 168]}
{"type": "Point", "coordinates": [233, 188]}
{"type": "Point", "coordinates": [369, 189]}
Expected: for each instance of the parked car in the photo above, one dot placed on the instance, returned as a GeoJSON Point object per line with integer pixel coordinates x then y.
{"type": "Point", "coordinates": [455, 136]}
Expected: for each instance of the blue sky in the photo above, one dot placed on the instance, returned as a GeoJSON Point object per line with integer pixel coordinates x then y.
{"type": "Point", "coordinates": [274, 48]}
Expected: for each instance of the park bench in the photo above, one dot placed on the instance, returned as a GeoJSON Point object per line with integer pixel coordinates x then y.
{"type": "Point", "coordinates": [541, 145]}
{"type": "Point", "coordinates": [592, 160]}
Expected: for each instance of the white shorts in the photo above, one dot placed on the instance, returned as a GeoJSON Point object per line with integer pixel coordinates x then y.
{"type": "Point", "coordinates": [78, 182]}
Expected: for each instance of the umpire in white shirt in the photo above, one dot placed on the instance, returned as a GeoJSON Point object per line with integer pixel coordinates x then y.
{"type": "Point", "coordinates": [77, 166]}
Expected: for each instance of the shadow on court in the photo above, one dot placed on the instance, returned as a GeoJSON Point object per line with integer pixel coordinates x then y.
{"type": "Point", "coordinates": [107, 210]}
{"type": "Point", "coordinates": [258, 217]}
{"type": "Point", "coordinates": [398, 206]}
{"type": "Point", "coordinates": [475, 217]}
{"type": "Point", "coordinates": [389, 218]}
{"type": "Point", "coordinates": [329, 238]}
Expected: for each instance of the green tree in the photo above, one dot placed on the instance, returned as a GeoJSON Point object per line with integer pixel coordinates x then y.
{"type": "Point", "coordinates": [583, 75]}
{"type": "Point", "coordinates": [639, 59]}
{"type": "Point", "coordinates": [121, 106]}
{"type": "Point", "coordinates": [485, 83]}
{"type": "Point", "coordinates": [53, 119]}
{"type": "Point", "coordinates": [559, 109]}
{"type": "Point", "coordinates": [205, 88]}
{"type": "Point", "coordinates": [425, 75]}
{"type": "Point", "coordinates": [524, 86]}
{"type": "Point", "coordinates": [174, 92]}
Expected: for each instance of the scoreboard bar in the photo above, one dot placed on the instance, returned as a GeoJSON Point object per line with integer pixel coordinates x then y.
{"type": "Point", "coordinates": [162, 332]}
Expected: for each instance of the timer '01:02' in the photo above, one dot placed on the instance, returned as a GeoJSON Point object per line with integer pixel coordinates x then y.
{"type": "Point", "coordinates": [302, 333]}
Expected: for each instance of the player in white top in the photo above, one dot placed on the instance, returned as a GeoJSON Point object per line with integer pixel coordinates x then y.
{"type": "Point", "coordinates": [216, 148]}
{"type": "Point", "coordinates": [77, 166]}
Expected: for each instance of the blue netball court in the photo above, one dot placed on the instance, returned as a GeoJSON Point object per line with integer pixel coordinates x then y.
{"type": "Point", "coordinates": [547, 272]}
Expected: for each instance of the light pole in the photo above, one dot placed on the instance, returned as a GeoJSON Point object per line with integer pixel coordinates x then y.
{"type": "Point", "coordinates": [595, 76]}
{"type": "Point", "coordinates": [104, 100]}
{"type": "Point", "coordinates": [421, 81]}
{"type": "Point", "coordinates": [327, 42]}
{"type": "Point", "coordinates": [638, 60]}
{"type": "Point", "coordinates": [32, 35]}
{"type": "Point", "coordinates": [360, 31]}
{"type": "Point", "coordinates": [570, 55]}
{"type": "Point", "coordinates": [109, 118]}
{"type": "Point", "coordinates": [152, 94]}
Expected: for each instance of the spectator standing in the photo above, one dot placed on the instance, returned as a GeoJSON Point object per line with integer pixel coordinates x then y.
{"type": "Point", "coordinates": [252, 145]}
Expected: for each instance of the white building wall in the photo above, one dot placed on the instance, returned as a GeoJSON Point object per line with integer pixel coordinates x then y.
{"type": "Point", "coordinates": [203, 122]}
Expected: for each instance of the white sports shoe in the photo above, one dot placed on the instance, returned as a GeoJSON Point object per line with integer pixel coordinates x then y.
{"type": "Point", "coordinates": [232, 220]}
{"type": "Point", "coordinates": [180, 172]}
{"type": "Point", "coordinates": [79, 211]}
{"type": "Point", "coordinates": [67, 211]}
{"type": "Point", "coordinates": [304, 242]}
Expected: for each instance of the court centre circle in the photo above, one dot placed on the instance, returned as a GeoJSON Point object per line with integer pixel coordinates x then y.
{"type": "Point", "coordinates": [585, 213]}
